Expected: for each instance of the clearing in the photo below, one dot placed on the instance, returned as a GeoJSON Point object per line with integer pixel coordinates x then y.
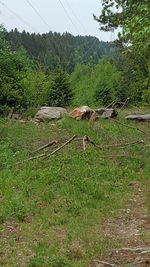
{"type": "Point", "coordinates": [75, 208]}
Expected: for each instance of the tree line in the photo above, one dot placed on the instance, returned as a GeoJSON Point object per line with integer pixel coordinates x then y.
{"type": "Point", "coordinates": [54, 69]}
{"type": "Point", "coordinates": [51, 49]}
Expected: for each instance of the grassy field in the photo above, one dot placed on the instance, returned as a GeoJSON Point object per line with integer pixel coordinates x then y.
{"type": "Point", "coordinates": [52, 211]}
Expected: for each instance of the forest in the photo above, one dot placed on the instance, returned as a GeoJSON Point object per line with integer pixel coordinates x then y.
{"type": "Point", "coordinates": [53, 69]}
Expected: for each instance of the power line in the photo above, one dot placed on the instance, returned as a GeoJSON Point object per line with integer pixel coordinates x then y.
{"type": "Point", "coordinates": [74, 14]}
{"type": "Point", "coordinates": [17, 16]}
{"type": "Point", "coordinates": [36, 11]}
{"type": "Point", "coordinates": [75, 26]}
{"type": "Point", "coordinates": [79, 23]}
{"type": "Point", "coordinates": [67, 14]}
{"type": "Point", "coordinates": [44, 21]}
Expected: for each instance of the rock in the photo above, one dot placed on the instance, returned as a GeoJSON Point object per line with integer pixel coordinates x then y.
{"type": "Point", "coordinates": [85, 112]}
{"type": "Point", "coordinates": [106, 113]}
{"type": "Point", "coordinates": [16, 116]}
{"type": "Point", "coordinates": [145, 117]}
{"type": "Point", "coordinates": [80, 113]}
{"type": "Point", "coordinates": [50, 113]}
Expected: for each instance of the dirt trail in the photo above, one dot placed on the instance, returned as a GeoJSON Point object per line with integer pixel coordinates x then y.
{"type": "Point", "coordinates": [131, 230]}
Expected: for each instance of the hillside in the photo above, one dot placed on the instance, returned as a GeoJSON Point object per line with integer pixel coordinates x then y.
{"type": "Point", "coordinates": [75, 207]}
{"type": "Point", "coordinates": [50, 49]}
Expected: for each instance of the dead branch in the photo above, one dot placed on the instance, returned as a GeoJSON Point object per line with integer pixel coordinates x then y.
{"type": "Point", "coordinates": [140, 249]}
{"type": "Point", "coordinates": [115, 156]}
{"type": "Point", "coordinates": [125, 103]}
{"type": "Point", "coordinates": [105, 263]}
{"type": "Point", "coordinates": [113, 145]}
{"type": "Point", "coordinates": [121, 145]}
{"type": "Point", "coordinates": [57, 149]}
{"type": "Point", "coordinates": [84, 142]}
{"type": "Point", "coordinates": [127, 126]}
{"type": "Point", "coordinates": [90, 141]}
{"type": "Point", "coordinates": [11, 113]}
{"type": "Point", "coordinates": [32, 158]}
{"type": "Point", "coordinates": [45, 146]}
{"type": "Point", "coordinates": [112, 103]}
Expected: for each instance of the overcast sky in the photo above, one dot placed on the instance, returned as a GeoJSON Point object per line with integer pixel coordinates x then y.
{"type": "Point", "coordinates": [74, 16]}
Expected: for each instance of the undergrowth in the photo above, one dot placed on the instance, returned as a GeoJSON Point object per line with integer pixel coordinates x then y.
{"type": "Point", "coordinates": [52, 211]}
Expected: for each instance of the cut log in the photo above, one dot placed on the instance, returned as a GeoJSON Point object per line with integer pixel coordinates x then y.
{"type": "Point", "coordinates": [145, 117]}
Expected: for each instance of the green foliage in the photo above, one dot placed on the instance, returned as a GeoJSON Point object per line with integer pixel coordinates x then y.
{"type": "Point", "coordinates": [134, 43]}
{"type": "Point", "coordinates": [108, 82]}
{"type": "Point", "coordinates": [37, 86]}
{"type": "Point", "coordinates": [52, 48]}
{"type": "Point", "coordinates": [96, 84]}
{"type": "Point", "coordinates": [81, 83]}
{"type": "Point", "coordinates": [60, 93]}
{"type": "Point", "coordinates": [146, 91]}
{"type": "Point", "coordinates": [14, 67]}
{"type": "Point", "coordinates": [133, 16]}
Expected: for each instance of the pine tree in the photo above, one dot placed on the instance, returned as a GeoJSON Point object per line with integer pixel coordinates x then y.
{"type": "Point", "coordinates": [60, 91]}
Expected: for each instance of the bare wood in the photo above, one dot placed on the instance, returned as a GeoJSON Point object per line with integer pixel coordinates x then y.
{"type": "Point", "coordinates": [32, 158]}
{"type": "Point", "coordinates": [115, 156]}
{"type": "Point", "coordinates": [90, 141]}
{"type": "Point", "coordinates": [140, 249]}
{"type": "Point", "coordinates": [84, 142]}
{"type": "Point", "coordinates": [57, 149]}
{"type": "Point", "coordinates": [121, 145]}
{"type": "Point", "coordinates": [107, 263]}
{"type": "Point", "coordinates": [11, 113]}
{"type": "Point", "coordinates": [125, 103]}
{"type": "Point", "coordinates": [127, 126]}
{"type": "Point", "coordinates": [45, 146]}
{"type": "Point", "coordinates": [112, 103]}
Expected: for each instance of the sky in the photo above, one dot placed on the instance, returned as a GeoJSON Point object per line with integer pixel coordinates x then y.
{"type": "Point", "coordinates": [41, 16]}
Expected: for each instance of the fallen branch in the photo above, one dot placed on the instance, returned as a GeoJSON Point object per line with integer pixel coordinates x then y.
{"type": "Point", "coordinates": [84, 142]}
{"type": "Point", "coordinates": [125, 103]}
{"type": "Point", "coordinates": [57, 149]}
{"type": "Point", "coordinates": [32, 158]}
{"type": "Point", "coordinates": [90, 141]}
{"type": "Point", "coordinates": [112, 103]}
{"type": "Point", "coordinates": [115, 156]}
{"type": "Point", "coordinates": [11, 113]}
{"type": "Point", "coordinates": [142, 249]}
{"type": "Point", "coordinates": [105, 263]}
{"type": "Point", "coordinates": [127, 126]}
{"type": "Point", "coordinates": [45, 146]}
{"type": "Point", "coordinates": [121, 145]}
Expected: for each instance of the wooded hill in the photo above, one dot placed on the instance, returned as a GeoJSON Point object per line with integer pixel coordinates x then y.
{"type": "Point", "coordinates": [51, 49]}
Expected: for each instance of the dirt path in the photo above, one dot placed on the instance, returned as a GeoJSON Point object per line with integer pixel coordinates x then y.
{"type": "Point", "coordinates": [130, 230]}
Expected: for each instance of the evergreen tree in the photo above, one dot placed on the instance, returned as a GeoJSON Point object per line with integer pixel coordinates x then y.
{"type": "Point", "coordinates": [60, 93]}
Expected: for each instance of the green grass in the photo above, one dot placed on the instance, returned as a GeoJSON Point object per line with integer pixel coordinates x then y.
{"type": "Point", "coordinates": [52, 211]}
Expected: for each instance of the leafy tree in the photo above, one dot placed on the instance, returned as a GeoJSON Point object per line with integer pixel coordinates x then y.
{"type": "Point", "coordinates": [81, 83]}
{"type": "Point", "coordinates": [108, 82]}
{"type": "Point", "coordinates": [96, 84]}
{"type": "Point", "coordinates": [133, 16]}
{"type": "Point", "coordinates": [60, 93]}
{"type": "Point", "coordinates": [14, 66]}
{"type": "Point", "coordinates": [37, 86]}
{"type": "Point", "coordinates": [133, 43]}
